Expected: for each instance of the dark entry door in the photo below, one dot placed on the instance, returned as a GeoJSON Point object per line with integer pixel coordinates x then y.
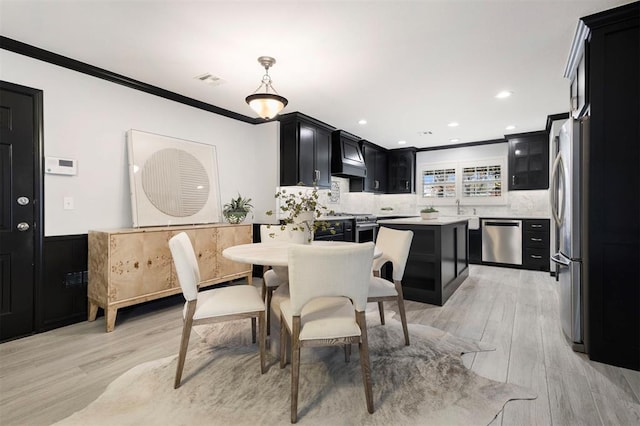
{"type": "Point", "coordinates": [19, 204]}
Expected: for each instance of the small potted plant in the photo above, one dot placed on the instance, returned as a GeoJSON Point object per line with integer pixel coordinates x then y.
{"type": "Point", "coordinates": [302, 211]}
{"type": "Point", "coordinates": [236, 211]}
{"type": "Point", "coordinates": [429, 213]}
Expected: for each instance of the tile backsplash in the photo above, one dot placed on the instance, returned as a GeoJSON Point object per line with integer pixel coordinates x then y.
{"type": "Point", "coordinates": [520, 203]}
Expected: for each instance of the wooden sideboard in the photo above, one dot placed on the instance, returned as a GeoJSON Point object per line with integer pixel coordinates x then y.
{"type": "Point", "coordinates": [131, 266]}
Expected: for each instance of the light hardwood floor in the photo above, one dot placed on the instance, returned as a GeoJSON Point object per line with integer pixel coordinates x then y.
{"type": "Point", "coordinates": [47, 377]}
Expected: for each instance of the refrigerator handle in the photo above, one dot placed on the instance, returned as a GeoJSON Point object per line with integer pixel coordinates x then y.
{"type": "Point", "coordinates": [560, 259]}
{"type": "Point", "coordinates": [557, 178]}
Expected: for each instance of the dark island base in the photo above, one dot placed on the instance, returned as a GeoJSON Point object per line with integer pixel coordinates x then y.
{"type": "Point", "coordinates": [435, 297]}
{"type": "Point", "coordinates": [438, 261]}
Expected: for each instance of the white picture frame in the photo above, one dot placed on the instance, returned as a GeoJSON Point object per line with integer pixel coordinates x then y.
{"type": "Point", "coordinates": [172, 181]}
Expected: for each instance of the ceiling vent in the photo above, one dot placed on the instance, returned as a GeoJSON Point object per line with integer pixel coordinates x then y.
{"type": "Point", "coordinates": [210, 79]}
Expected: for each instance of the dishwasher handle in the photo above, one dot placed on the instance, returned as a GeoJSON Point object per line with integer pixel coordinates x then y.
{"type": "Point", "coordinates": [515, 223]}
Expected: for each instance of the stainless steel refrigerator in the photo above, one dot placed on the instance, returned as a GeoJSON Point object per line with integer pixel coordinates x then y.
{"type": "Point", "coordinates": [566, 206]}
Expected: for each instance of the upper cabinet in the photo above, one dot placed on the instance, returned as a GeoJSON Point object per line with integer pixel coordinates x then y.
{"type": "Point", "coordinates": [528, 161]}
{"type": "Point", "coordinates": [401, 171]}
{"type": "Point", "coordinates": [375, 158]}
{"type": "Point", "coordinates": [305, 151]}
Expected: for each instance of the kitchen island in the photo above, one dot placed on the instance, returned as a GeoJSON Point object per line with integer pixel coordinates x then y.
{"type": "Point", "coordinates": [438, 259]}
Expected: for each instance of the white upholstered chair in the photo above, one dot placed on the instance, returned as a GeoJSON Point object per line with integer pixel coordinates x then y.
{"type": "Point", "coordinates": [272, 278]}
{"type": "Point", "coordinates": [215, 305]}
{"type": "Point", "coordinates": [395, 245]}
{"type": "Point", "coordinates": [328, 289]}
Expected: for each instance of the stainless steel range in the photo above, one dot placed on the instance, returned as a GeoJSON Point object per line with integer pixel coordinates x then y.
{"type": "Point", "coordinates": [366, 227]}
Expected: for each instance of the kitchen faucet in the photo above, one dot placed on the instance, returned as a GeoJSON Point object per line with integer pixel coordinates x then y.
{"type": "Point", "coordinates": [458, 203]}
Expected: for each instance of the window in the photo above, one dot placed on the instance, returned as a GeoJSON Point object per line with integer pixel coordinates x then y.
{"type": "Point", "coordinates": [475, 182]}
{"type": "Point", "coordinates": [439, 183]}
{"type": "Point", "coordinates": [482, 181]}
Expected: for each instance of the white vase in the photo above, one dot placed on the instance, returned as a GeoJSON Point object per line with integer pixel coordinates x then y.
{"type": "Point", "coordinates": [305, 220]}
{"type": "Point", "coordinates": [427, 216]}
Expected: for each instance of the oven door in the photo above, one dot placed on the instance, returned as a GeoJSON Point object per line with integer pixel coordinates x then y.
{"type": "Point", "coordinates": [366, 232]}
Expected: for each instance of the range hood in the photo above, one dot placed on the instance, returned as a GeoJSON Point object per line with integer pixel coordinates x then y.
{"type": "Point", "coordinates": [346, 156]}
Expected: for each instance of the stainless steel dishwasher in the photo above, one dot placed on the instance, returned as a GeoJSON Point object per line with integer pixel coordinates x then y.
{"type": "Point", "coordinates": [502, 241]}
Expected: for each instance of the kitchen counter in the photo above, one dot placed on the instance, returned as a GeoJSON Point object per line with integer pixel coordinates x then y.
{"type": "Point", "coordinates": [332, 217]}
{"type": "Point", "coordinates": [417, 220]}
{"type": "Point", "coordinates": [514, 216]}
{"type": "Point", "coordinates": [394, 215]}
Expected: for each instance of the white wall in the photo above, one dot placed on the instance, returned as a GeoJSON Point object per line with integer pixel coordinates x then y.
{"type": "Point", "coordinates": [86, 118]}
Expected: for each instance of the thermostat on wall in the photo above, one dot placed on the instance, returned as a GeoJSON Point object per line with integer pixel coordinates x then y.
{"type": "Point", "coordinates": [60, 166]}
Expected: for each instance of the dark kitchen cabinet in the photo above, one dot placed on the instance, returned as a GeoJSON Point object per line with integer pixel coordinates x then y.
{"type": "Point", "coordinates": [438, 261]}
{"type": "Point", "coordinates": [610, 42]}
{"type": "Point", "coordinates": [475, 246]}
{"type": "Point", "coordinates": [305, 151]}
{"type": "Point", "coordinates": [401, 171]}
{"type": "Point", "coordinates": [375, 158]}
{"type": "Point", "coordinates": [337, 230]}
{"type": "Point", "coordinates": [528, 161]}
{"type": "Point", "coordinates": [535, 244]}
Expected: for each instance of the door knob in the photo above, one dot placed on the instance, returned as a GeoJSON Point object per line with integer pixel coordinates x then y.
{"type": "Point", "coordinates": [22, 226]}
{"type": "Point", "coordinates": [23, 201]}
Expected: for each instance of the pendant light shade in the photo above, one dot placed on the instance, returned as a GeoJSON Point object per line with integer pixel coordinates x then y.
{"type": "Point", "coordinates": [265, 101]}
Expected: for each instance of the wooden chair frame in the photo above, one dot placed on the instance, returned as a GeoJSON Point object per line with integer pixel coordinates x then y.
{"type": "Point", "coordinates": [399, 299]}
{"type": "Point", "coordinates": [189, 322]}
{"type": "Point", "coordinates": [297, 344]}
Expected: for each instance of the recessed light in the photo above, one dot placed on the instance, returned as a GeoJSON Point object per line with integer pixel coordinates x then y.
{"type": "Point", "coordinates": [363, 121]}
{"type": "Point", "coordinates": [454, 140]}
{"type": "Point", "coordinates": [402, 142]}
{"type": "Point", "coordinates": [453, 124]}
{"type": "Point", "coordinates": [510, 127]}
{"type": "Point", "coordinates": [504, 94]}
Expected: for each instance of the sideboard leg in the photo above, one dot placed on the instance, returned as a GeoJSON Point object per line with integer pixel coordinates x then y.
{"type": "Point", "coordinates": [93, 310]}
{"type": "Point", "coordinates": [110, 318]}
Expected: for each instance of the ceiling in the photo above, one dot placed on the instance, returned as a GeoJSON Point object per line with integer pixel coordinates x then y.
{"type": "Point", "coordinates": [407, 67]}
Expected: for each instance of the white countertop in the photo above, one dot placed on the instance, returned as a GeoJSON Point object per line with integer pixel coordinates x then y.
{"type": "Point", "coordinates": [330, 217]}
{"type": "Point", "coordinates": [514, 216]}
{"type": "Point", "coordinates": [417, 220]}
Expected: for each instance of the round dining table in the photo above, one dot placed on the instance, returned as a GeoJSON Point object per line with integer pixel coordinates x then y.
{"type": "Point", "coordinates": [273, 253]}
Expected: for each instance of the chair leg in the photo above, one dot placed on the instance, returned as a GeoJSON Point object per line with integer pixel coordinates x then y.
{"type": "Point", "coordinates": [295, 368]}
{"type": "Point", "coordinates": [347, 353]}
{"type": "Point", "coordinates": [364, 360]}
{"type": "Point", "coordinates": [184, 341]}
{"type": "Point", "coordinates": [403, 314]}
{"type": "Point", "coordinates": [264, 289]}
{"type": "Point", "coordinates": [263, 341]}
{"type": "Point", "coordinates": [269, 296]}
{"type": "Point", "coordinates": [283, 342]}
{"type": "Point", "coordinates": [253, 330]}
{"type": "Point", "coordinates": [381, 310]}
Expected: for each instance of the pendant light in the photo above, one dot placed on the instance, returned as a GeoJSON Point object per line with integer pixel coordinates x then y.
{"type": "Point", "coordinates": [265, 101]}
